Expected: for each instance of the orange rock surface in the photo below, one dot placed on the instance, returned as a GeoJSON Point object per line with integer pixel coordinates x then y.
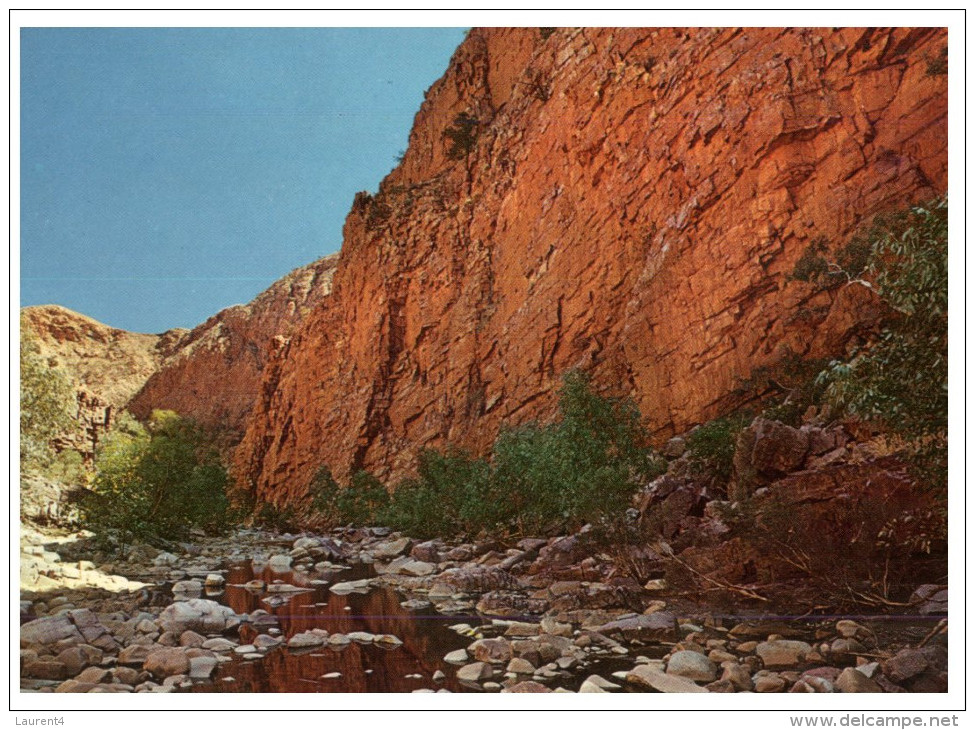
{"type": "Point", "coordinates": [215, 375]}
{"type": "Point", "coordinates": [631, 203]}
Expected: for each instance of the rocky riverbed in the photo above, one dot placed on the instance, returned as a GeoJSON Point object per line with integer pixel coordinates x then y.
{"type": "Point", "coordinates": [368, 610]}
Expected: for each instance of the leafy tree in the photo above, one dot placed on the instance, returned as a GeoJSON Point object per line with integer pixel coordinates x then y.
{"type": "Point", "coordinates": [156, 482]}
{"type": "Point", "coordinates": [45, 402]}
{"type": "Point", "coordinates": [582, 468]}
{"type": "Point", "coordinates": [901, 380]}
{"type": "Point", "coordinates": [462, 134]}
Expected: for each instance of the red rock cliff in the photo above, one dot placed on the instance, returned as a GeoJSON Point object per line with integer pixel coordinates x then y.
{"type": "Point", "coordinates": [215, 375]}
{"type": "Point", "coordinates": [630, 202]}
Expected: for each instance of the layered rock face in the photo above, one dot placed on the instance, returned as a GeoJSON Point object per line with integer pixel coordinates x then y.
{"type": "Point", "coordinates": [630, 202]}
{"type": "Point", "coordinates": [216, 374]}
{"type": "Point", "coordinates": [105, 362]}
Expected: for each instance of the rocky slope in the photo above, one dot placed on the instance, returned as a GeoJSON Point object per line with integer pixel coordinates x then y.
{"type": "Point", "coordinates": [626, 201]}
{"type": "Point", "coordinates": [108, 363]}
{"type": "Point", "coordinates": [216, 374]}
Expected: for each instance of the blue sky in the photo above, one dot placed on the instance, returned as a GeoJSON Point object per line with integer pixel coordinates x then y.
{"type": "Point", "coordinates": [169, 173]}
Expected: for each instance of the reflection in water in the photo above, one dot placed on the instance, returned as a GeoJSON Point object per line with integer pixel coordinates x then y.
{"type": "Point", "coordinates": [364, 668]}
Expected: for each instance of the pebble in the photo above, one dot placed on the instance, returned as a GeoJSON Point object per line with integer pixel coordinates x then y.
{"type": "Point", "coordinates": [782, 653]}
{"type": "Point", "coordinates": [476, 672]}
{"type": "Point", "coordinates": [769, 683]}
{"type": "Point", "coordinates": [693, 666]}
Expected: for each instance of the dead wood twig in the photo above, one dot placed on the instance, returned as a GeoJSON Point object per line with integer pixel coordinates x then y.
{"type": "Point", "coordinates": [941, 628]}
{"type": "Point", "coordinates": [741, 590]}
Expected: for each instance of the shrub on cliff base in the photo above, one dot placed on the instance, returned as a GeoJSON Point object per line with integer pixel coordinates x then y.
{"type": "Point", "coordinates": [451, 493]}
{"type": "Point", "coordinates": [711, 447]}
{"type": "Point", "coordinates": [901, 380]}
{"type": "Point", "coordinates": [156, 482]}
{"type": "Point", "coordinates": [582, 468]}
{"type": "Point", "coordinates": [360, 503]}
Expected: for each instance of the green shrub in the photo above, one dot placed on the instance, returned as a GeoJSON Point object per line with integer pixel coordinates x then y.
{"type": "Point", "coordinates": [362, 502]}
{"type": "Point", "coordinates": [323, 494]}
{"type": "Point", "coordinates": [461, 134]}
{"type": "Point", "coordinates": [582, 468]}
{"type": "Point", "coordinates": [282, 519]}
{"type": "Point", "coordinates": [711, 447]}
{"type": "Point", "coordinates": [365, 498]}
{"type": "Point", "coordinates": [46, 399]}
{"type": "Point", "coordinates": [901, 380]}
{"type": "Point", "coordinates": [812, 265]}
{"type": "Point", "coordinates": [450, 495]}
{"type": "Point", "coordinates": [156, 482]}
{"type": "Point", "coordinates": [850, 262]}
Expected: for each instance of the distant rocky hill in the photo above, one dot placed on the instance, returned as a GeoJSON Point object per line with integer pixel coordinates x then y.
{"type": "Point", "coordinates": [215, 375]}
{"type": "Point", "coordinates": [211, 373]}
{"type": "Point", "coordinates": [108, 363]}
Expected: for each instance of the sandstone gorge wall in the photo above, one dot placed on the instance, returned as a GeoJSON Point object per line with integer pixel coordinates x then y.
{"type": "Point", "coordinates": [215, 376]}
{"type": "Point", "coordinates": [632, 205]}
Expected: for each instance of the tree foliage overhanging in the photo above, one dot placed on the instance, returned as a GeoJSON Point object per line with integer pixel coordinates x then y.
{"type": "Point", "coordinates": [901, 380]}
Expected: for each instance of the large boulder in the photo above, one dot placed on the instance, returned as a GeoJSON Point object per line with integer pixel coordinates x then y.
{"type": "Point", "coordinates": [692, 665]}
{"type": "Point", "coordinates": [783, 653]}
{"type": "Point", "coordinates": [79, 626]}
{"type": "Point", "coordinates": [659, 626]}
{"type": "Point", "coordinates": [197, 614]}
{"type": "Point", "coordinates": [649, 677]}
{"type": "Point", "coordinates": [49, 630]}
{"type": "Point", "coordinates": [167, 662]}
{"type": "Point", "coordinates": [493, 651]}
{"type": "Point", "coordinates": [778, 449]}
{"type": "Point", "coordinates": [477, 579]}
{"type": "Point", "coordinates": [561, 553]}
{"type": "Point", "coordinates": [390, 549]}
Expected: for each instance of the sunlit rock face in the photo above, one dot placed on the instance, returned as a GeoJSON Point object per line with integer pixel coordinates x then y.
{"type": "Point", "coordinates": [215, 375]}
{"type": "Point", "coordinates": [629, 202]}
